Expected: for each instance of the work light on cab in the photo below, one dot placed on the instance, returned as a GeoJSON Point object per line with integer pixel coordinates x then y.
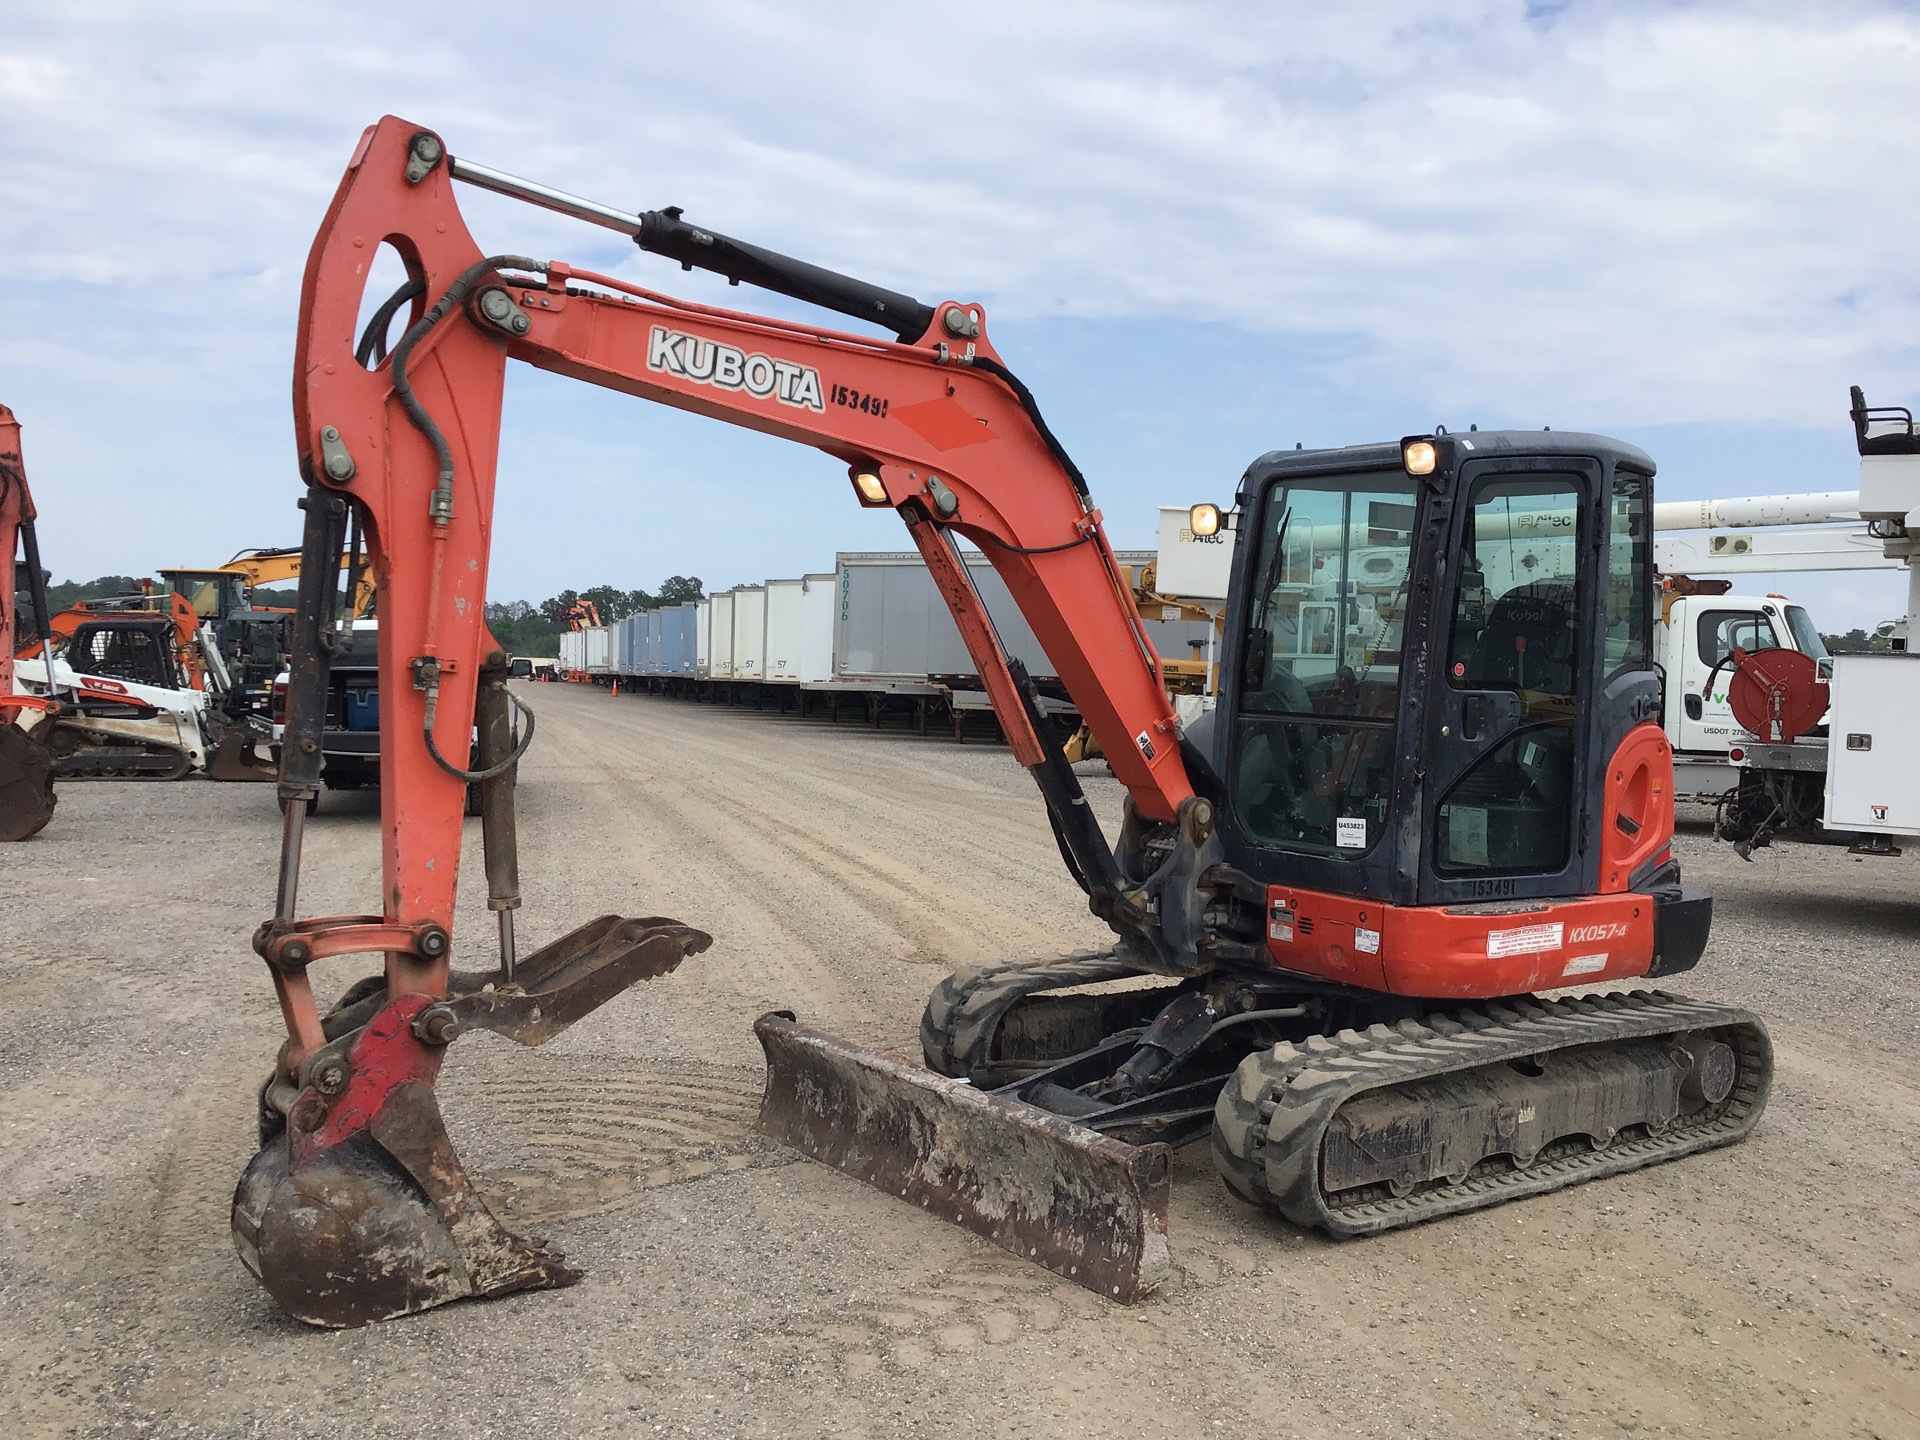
{"type": "Point", "coordinates": [1418, 455]}
{"type": "Point", "coordinates": [1204, 520]}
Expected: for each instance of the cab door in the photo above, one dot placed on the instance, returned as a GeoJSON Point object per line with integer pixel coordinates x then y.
{"type": "Point", "coordinates": [1542, 667]}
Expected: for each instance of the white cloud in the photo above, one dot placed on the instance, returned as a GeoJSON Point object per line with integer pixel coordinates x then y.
{"type": "Point", "coordinates": [1649, 213]}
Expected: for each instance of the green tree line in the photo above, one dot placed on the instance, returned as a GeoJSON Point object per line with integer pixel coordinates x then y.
{"type": "Point", "coordinates": [522, 626]}
{"type": "Point", "coordinates": [1858, 642]}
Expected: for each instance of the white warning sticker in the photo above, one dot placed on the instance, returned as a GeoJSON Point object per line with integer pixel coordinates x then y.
{"type": "Point", "coordinates": [1350, 832]}
{"type": "Point", "coordinates": [1527, 940]}
{"type": "Point", "coordinates": [1367, 942]}
{"type": "Point", "coordinates": [1585, 965]}
{"type": "Point", "coordinates": [1282, 933]}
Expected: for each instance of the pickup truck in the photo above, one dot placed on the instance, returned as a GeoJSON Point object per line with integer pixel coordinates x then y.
{"type": "Point", "coordinates": [350, 743]}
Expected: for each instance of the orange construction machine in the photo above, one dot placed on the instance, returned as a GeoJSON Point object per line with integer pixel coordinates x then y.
{"type": "Point", "coordinates": [1430, 788]}
{"type": "Point", "coordinates": [26, 760]}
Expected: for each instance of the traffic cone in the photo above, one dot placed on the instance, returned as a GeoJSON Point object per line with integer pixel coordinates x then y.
{"type": "Point", "coordinates": [616, 689]}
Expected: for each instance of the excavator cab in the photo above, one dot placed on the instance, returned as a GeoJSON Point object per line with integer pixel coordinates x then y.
{"type": "Point", "coordinates": [1435, 671]}
{"type": "Point", "coordinates": [214, 594]}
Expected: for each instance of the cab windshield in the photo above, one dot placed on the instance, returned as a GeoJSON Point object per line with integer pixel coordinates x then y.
{"type": "Point", "coordinates": [1806, 635]}
{"type": "Point", "coordinates": [1320, 685]}
{"type": "Point", "coordinates": [214, 594]}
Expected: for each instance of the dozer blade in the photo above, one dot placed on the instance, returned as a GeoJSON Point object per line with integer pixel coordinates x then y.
{"type": "Point", "coordinates": [26, 784]}
{"type": "Point", "coordinates": [1084, 1205]}
{"type": "Point", "coordinates": [356, 1209]}
{"type": "Point", "coordinates": [235, 758]}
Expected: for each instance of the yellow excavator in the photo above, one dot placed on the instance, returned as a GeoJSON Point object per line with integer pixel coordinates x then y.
{"type": "Point", "coordinates": [220, 592]}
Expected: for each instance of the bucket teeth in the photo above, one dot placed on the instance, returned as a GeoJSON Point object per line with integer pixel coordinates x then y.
{"type": "Point", "coordinates": [1084, 1205]}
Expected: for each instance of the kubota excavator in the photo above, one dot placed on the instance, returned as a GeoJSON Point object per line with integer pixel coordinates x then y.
{"type": "Point", "coordinates": [1434, 784]}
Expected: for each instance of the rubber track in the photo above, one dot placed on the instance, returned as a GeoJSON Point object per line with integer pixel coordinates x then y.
{"type": "Point", "coordinates": [1273, 1114]}
{"type": "Point", "coordinates": [966, 1008]}
{"type": "Point", "coordinates": [72, 764]}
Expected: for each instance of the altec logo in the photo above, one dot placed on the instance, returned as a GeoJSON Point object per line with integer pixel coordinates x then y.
{"type": "Point", "coordinates": [1587, 934]}
{"type": "Point", "coordinates": [690, 357]}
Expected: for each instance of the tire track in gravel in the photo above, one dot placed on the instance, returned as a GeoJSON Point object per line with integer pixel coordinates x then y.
{"type": "Point", "coordinates": [821, 771]}
{"type": "Point", "coordinates": [187, 1225]}
{"type": "Point", "coordinates": [805, 884]}
{"type": "Point", "coordinates": [852, 840]}
{"type": "Point", "coordinates": [772, 940]}
{"type": "Point", "coordinates": [987, 1301]}
{"type": "Point", "coordinates": [577, 1137]}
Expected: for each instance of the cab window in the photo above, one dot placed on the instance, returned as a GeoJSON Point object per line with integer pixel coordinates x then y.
{"type": "Point", "coordinates": [1314, 745]}
{"type": "Point", "coordinates": [1719, 631]}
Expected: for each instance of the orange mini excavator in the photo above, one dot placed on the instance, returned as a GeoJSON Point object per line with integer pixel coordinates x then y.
{"type": "Point", "coordinates": [1435, 783]}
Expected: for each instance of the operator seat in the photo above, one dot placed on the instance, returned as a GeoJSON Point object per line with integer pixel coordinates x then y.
{"type": "Point", "coordinates": [1528, 643]}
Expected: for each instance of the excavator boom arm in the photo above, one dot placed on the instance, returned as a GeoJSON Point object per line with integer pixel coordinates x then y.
{"type": "Point", "coordinates": [403, 445]}
{"type": "Point", "coordinates": [938, 430]}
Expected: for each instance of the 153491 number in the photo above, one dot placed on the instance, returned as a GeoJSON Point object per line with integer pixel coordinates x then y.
{"type": "Point", "coordinates": [854, 400]}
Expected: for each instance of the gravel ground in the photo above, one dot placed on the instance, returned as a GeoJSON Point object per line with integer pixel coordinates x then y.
{"type": "Point", "coordinates": [1766, 1290]}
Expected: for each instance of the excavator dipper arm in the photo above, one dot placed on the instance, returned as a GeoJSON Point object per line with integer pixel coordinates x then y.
{"type": "Point", "coordinates": [931, 424]}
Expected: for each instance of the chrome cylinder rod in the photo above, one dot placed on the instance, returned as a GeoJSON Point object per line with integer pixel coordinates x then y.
{"type": "Point", "coordinates": [485, 178]}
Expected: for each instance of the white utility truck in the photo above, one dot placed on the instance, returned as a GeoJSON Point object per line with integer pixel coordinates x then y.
{"type": "Point", "coordinates": [1856, 774]}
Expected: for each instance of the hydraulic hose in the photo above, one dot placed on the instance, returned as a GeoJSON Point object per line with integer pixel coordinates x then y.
{"type": "Point", "coordinates": [441, 506]}
{"type": "Point", "coordinates": [474, 777]}
{"type": "Point", "coordinates": [1032, 407]}
{"type": "Point", "coordinates": [372, 348]}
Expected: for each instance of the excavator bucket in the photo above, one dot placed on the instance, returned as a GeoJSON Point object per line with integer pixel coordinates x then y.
{"type": "Point", "coordinates": [1084, 1205]}
{"type": "Point", "coordinates": [356, 1208]}
{"type": "Point", "coordinates": [239, 756]}
{"type": "Point", "coordinates": [26, 784]}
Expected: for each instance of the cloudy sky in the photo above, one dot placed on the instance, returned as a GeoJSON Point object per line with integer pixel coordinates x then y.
{"type": "Point", "coordinates": [1201, 231]}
